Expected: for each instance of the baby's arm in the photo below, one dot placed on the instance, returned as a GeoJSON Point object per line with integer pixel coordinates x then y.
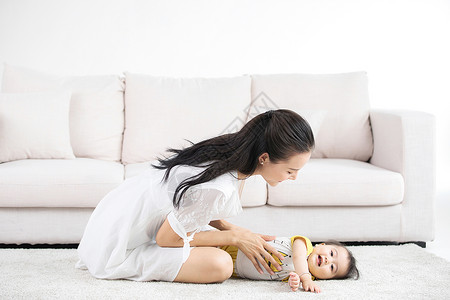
{"type": "Point", "coordinates": [299, 257]}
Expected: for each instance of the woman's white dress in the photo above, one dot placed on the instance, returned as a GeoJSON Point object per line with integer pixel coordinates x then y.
{"type": "Point", "coordinates": [119, 239]}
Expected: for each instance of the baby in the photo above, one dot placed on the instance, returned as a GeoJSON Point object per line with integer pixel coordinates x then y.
{"type": "Point", "coordinates": [302, 263]}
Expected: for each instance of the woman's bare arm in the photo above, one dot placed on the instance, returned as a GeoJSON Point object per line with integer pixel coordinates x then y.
{"type": "Point", "coordinates": [222, 225]}
{"type": "Point", "coordinates": [167, 237]}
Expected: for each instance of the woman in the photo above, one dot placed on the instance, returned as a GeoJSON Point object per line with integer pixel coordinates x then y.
{"type": "Point", "coordinates": [144, 229]}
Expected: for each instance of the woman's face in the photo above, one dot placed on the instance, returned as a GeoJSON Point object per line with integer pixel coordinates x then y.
{"type": "Point", "coordinates": [274, 173]}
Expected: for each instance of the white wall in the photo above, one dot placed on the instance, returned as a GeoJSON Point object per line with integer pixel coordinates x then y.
{"type": "Point", "coordinates": [403, 44]}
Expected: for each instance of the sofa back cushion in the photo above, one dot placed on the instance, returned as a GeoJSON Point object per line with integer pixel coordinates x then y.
{"type": "Point", "coordinates": [34, 125]}
{"type": "Point", "coordinates": [345, 130]}
{"type": "Point", "coordinates": [162, 112]}
{"type": "Point", "coordinates": [96, 116]}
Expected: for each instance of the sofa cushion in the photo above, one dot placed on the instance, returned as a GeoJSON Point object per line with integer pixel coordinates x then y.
{"type": "Point", "coordinates": [163, 112]}
{"type": "Point", "coordinates": [80, 182]}
{"type": "Point", "coordinates": [339, 182]}
{"type": "Point", "coordinates": [132, 170]}
{"type": "Point", "coordinates": [34, 125]}
{"type": "Point", "coordinates": [254, 192]}
{"type": "Point", "coordinates": [345, 131]}
{"type": "Point", "coordinates": [96, 110]}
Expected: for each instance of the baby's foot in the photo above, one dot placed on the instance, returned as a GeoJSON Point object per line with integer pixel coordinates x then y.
{"type": "Point", "coordinates": [294, 281]}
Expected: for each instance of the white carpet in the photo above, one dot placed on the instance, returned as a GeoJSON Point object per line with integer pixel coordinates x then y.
{"type": "Point", "coordinates": [387, 272]}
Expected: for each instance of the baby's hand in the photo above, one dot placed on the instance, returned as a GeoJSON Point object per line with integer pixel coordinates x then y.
{"type": "Point", "coordinates": [294, 281]}
{"type": "Point", "coordinates": [310, 286]}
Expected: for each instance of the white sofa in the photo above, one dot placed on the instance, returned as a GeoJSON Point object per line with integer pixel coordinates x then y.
{"type": "Point", "coordinates": [371, 177]}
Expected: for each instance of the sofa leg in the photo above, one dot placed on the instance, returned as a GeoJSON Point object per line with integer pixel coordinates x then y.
{"type": "Point", "coordinates": [420, 244]}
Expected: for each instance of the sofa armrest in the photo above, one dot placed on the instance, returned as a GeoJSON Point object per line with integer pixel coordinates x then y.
{"type": "Point", "coordinates": [404, 142]}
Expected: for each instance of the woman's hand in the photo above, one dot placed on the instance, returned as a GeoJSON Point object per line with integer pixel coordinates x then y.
{"type": "Point", "coordinates": [255, 247]}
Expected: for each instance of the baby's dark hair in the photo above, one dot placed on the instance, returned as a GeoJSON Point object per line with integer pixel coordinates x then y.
{"type": "Point", "coordinates": [352, 271]}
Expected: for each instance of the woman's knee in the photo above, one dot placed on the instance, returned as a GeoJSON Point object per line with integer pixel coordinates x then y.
{"type": "Point", "coordinates": [222, 266]}
{"type": "Point", "coordinates": [206, 265]}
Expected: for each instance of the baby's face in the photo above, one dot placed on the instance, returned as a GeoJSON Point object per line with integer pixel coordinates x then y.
{"type": "Point", "coordinates": [328, 261]}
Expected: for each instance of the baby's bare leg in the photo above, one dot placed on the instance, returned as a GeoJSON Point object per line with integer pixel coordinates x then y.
{"type": "Point", "coordinates": [206, 265]}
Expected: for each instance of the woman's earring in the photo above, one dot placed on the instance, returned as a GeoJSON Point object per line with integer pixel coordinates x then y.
{"type": "Point", "coordinates": [262, 163]}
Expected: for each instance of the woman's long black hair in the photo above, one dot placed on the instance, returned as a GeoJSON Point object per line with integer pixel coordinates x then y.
{"type": "Point", "coordinates": [281, 133]}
